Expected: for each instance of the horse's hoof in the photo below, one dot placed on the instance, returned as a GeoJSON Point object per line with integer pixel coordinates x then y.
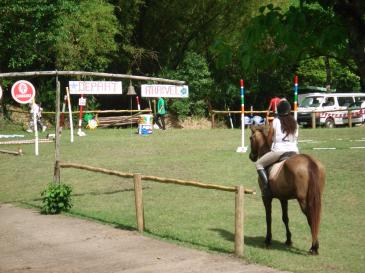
{"type": "Point", "coordinates": [313, 252]}
{"type": "Point", "coordinates": [289, 243]}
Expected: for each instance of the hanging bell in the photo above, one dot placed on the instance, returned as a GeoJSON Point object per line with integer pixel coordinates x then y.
{"type": "Point", "coordinates": [131, 91]}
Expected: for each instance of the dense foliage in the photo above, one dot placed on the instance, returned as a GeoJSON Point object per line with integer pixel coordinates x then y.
{"type": "Point", "coordinates": [210, 44]}
{"type": "Point", "coordinates": [56, 198]}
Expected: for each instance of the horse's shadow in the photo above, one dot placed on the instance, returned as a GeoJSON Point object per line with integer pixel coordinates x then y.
{"type": "Point", "coordinates": [258, 242]}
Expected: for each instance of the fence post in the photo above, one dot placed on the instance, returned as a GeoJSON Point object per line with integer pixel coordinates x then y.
{"type": "Point", "coordinates": [239, 221]}
{"type": "Point", "coordinates": [313, 120]}
{"type": "Point", "coordinates": [213, 120]}
{"type": "Point", "coordinates": [349, 115]}
{"type": "Point", "coordinates": [139, 201]}
{"type": "Point", "coordinates": [56, 174]}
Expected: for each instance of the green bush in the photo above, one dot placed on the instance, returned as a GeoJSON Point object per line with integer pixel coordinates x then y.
{"type": "Point", "coordinates": [200, 109]}
{"type": "Point", "coordinates": [56, 198]}
{"type": "Point", "coordinates": [180, 108]}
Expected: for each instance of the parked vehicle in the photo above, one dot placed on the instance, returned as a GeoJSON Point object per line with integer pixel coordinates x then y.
{"type": "Point", "coordinates": [327, 106]}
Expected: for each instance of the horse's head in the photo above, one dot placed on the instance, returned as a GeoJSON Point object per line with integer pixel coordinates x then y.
{"type": "Point", "coordinates": [258, 142]}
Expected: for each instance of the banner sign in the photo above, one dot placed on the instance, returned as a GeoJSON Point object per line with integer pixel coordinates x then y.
{"type": "Point", "coordinates": [23, 92]}
{"type": "Point", "coordinates": [164, 90]}
{"type": "Point", "coordinates": [95, 87]}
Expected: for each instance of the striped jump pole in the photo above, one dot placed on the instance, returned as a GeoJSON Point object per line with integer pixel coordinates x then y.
{"type": "Point", "coordinates": [295, 97]}
{"type": "Point", "coordinates": [242, 148]}
{"type": "Point", "coordinates": [81, 104]}
{"type": "Point", "coordinates": [35, 127]}
{"type": "Point", "coordinates": [70, 115]}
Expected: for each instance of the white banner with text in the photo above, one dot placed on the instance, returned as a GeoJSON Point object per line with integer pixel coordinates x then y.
{"type": "Point", "coordinates": [164, 90]}
{"type": "Point", "coordinates": [95, 87]}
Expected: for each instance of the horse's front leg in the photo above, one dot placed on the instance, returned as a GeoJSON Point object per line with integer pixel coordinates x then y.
{"type": "Point", "coordinates": [267, 204]}
{"type": "Point", "coordinates": [285, 218]}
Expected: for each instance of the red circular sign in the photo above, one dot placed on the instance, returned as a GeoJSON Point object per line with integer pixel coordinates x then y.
{"type": "Point", "coordinates": [23, 92]}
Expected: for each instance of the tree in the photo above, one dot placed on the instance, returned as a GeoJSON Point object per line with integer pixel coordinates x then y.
{"type": "Point", "coordinates": [193, 69]}
{"type": "Point", "coordinates": [170, 28]}
{"type": "Point", "coordinates": [351, 15]}
{"type": "Point", "coordinates": [279, 40]}
{"type": "Point", "coordinates": [313, 72]}
{"type": "Point", "coordinates": [26, 34]}
{"type": "Point", "coordinates": [86, 37]}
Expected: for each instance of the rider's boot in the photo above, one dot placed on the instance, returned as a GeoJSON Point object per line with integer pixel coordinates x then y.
{"type": "Point", "coordinates": [266, 192]}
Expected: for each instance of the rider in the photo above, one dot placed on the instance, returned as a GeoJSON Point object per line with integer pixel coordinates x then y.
{"type": "Point", "coordinates": [284, 135]}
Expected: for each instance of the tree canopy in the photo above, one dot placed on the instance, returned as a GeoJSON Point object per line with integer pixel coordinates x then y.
{"type": "Point", "coordinates": [211, 44]}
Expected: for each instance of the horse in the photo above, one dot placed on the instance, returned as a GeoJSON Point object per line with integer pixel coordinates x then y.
{"type": "Point", "coordinates": [301, 177]}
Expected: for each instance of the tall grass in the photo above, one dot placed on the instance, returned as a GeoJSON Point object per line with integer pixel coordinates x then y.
{"type": "Point", "coordinates": [197, 217]}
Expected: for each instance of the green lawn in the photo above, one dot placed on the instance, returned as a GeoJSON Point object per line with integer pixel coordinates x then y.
{"type": "Point", "coordinates": [197, 217]}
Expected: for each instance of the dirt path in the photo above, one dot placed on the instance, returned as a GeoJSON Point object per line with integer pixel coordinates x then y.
{"type": "Point", "coordinates": [31, 242]}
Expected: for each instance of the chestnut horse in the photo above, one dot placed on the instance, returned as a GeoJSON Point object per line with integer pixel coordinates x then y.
{"type": "Point", "coordinates": [301, 177]}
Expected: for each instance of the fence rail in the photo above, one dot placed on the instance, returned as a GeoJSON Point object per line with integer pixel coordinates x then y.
{"type": "Point", "coordinates": [238, 190]}
{"type": "Point", "coordinates": [86, 73]}
{"type": "Point", "coordinates": [90, 111]}
{"type": "Point", "coordinates": [314, 114]}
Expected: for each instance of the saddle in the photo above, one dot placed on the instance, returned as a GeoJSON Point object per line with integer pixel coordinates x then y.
{"type": "Point", "coordinates": [274, 169]}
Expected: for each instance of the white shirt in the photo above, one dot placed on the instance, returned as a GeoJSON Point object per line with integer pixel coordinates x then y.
{"type": "Point", "coordinates": [281, 142]}
{"type": "Point", "coordinates": [36, 109]}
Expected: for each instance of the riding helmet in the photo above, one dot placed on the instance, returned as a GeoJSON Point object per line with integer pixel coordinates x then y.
{"type": "Point", "coordinates": [283, 108]}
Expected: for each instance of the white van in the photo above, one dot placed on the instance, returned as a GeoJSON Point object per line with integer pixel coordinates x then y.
{"type": "Point", "coordinates": [327, 102]}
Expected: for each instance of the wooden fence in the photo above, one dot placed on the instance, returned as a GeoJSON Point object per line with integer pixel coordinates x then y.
{"type": "Point", "coordinates": [314, 115]}
{"type": "Point", "coordinates": [238, 190]}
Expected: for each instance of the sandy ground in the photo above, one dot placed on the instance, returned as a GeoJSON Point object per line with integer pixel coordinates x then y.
{"type": "Point", "coordinates": [31, 242]}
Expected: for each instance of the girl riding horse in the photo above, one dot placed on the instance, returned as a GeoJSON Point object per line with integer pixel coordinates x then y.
{"type": "Point", "coordinates": [300, 177]}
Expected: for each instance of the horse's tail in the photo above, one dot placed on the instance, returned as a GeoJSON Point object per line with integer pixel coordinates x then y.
{"type": "Point", "coordinates": [314, 202]}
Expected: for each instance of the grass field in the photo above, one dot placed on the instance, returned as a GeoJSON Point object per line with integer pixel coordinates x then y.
{"type": "Point", "coordinates": [202, 218]}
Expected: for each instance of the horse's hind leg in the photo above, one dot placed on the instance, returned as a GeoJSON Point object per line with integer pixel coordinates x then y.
{"type": "Point", "coordinates": [267, 203]}
{"type": "Point", "coordinates": [315, 244]}
{"type": "Point", "coordinates": [285, 218]}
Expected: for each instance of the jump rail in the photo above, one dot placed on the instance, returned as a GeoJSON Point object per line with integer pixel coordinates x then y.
{"type": "Point", "coordinates": [215, 112]}
{"type": "Point", "coordinates": [238, 190]}
{"type": "Point", "coordinates": [19, 152]}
